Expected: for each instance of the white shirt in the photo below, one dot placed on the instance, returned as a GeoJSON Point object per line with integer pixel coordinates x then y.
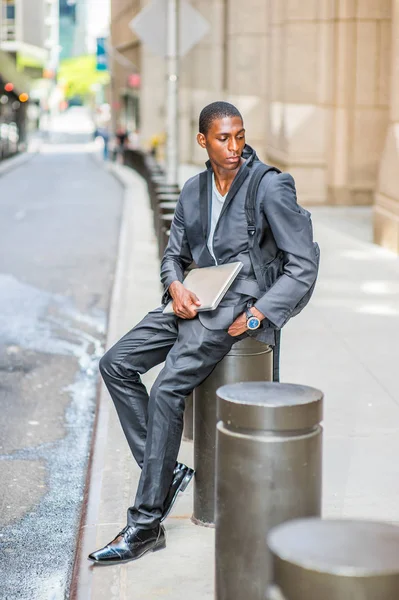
{"type": "Point", "coordinates": [217, 205]}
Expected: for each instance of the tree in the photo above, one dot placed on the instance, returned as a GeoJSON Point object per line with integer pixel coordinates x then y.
{"type": "Point", "coordinates": [79, 76]}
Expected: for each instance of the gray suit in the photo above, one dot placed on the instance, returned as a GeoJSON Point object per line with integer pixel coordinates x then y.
{"type": "Point", "coordinates": [153, 424]}
{"type": "Point", "coordinates": [281, 225]}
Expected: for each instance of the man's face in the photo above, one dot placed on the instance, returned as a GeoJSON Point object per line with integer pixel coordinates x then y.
{"type": "Point", "coordinates": [224, 142]}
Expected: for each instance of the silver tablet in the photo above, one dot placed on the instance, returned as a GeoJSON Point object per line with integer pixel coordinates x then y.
{"type": "Point", "coordinates": [210, 284]}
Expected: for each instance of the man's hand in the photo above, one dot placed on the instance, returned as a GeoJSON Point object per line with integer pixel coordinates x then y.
{"type": "Point", "coordinates": [185, 303]}
{"type": "Point", "coordinates": [240, 324]}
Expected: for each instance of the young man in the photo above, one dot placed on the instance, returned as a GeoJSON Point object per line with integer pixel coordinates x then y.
{"type": "Point", "coordinates": [209, 227]}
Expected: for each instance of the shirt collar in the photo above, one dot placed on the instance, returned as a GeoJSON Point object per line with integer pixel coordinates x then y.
{"type": "Point", "coordinates": [248, 154]}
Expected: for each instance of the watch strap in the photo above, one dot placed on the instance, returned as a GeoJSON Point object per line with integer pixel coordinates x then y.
{"type": "Point", "coordinates": [248, 313]}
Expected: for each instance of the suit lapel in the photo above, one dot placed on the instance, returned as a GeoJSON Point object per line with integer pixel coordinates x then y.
{"type": "Point", "coordinates": [205, 189]}
{"type": "Point", "coordinates": [235, 186]}
{"type": "Point", "coordinates": [204, 201]}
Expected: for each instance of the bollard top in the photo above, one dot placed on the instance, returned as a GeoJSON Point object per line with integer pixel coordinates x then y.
{"type": "Point", "coordinates": [250, 346]}
{"type": "Point", "coordinates": [269, 406]}
{"type": "Point", "coordinates": [339, 547]}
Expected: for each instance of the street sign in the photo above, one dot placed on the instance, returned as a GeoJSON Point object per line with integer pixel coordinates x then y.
{"type": "Point", "coordinates": [150, 26]}
{"type": "Point", "coordinates": [102, 62]}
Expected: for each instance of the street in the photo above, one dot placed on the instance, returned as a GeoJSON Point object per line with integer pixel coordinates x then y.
{"type": "Point", "coordinates": [60, 216]}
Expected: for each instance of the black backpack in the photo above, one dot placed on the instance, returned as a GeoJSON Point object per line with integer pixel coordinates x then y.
{"type": "Point", "coordinates": [267, 271]}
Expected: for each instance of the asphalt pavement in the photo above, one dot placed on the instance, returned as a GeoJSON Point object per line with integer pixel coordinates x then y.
{"type": "Point", "coordinates": [60, 213]}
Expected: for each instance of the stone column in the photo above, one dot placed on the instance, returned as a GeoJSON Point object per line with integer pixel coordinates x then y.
{"type": "Point", "coordinates": [202, 77]}
{"type": "Point", "coordinates": [246, 66]}
{"type": "Point", "coordinates": [152, 96]}
{"type": "Point", "coordinates": [228, 64]}
{"type": "Point", "coordinates": [386, 208]}
{"type": "Point", "coordinates": [300, 68]}
{"type": "Point", "coordinates": [328, 106]}
{"type": "Point", "coordinates": [359, 115]}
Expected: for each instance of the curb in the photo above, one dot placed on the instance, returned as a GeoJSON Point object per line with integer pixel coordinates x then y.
{"type": "Point", "coordinates": [82, 574]}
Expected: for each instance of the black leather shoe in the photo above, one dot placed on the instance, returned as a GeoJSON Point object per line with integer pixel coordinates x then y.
{"type": "Point", "coordinates": [182, 476]}
{"type": "Point", "coordinates": [130, 544]}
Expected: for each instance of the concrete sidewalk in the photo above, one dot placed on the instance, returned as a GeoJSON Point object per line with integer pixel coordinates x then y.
{"type": "Point", "coordinates": [345, 343]}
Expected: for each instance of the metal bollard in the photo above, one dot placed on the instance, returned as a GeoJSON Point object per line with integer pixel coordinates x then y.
{"type": "Point", "coordinates": [163, 208]}
{"type": "Point", "coordinates": [248, 360]}
{"type": "Point", "coordinates": [268, 471]}
{"type": "Point", "coordinates": [188, 429]}
{"type": "Point", "coordinates": [165, 222]}
{"type": "Point", "coordinates": [335, 560]}
{"type": "Point", "coordinates": [153, 181]}
{"type": "Point", "coordinates": [163, 199]}
{"type": "Point", "coordinates": [166, 188]}
{"type": "Point", "coordinates": [168, 196]}
{"type": "Point", "coordinates": [166, 207]}
{"type": "Point", "coordinates": [158, 178]}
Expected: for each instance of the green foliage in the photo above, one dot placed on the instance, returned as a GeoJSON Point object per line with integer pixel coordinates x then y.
{"type": "Point", "coordinates": [25, 61]}
{"type": "Point", "coordinates": [80, 77]}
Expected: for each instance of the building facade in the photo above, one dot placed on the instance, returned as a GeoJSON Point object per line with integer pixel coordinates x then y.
{"type": "Point", "coordinates": [29, 33]}
{"type": "Point", "coordinates": [28, 51]}
{"type": "Point", "coordinates": [67, 28]}
{"type": "Point", "coordinates": [73, 24]}
{"type": "Point", "coordinates": [125, 58]}
{"type": "Point", "coordinates": [317, 82]}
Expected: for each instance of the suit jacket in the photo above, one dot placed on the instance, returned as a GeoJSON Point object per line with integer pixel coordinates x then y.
{"type": "Point", "coordinates": [282, 225]}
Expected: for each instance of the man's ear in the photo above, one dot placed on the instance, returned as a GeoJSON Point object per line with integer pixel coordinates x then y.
{"type": "Point", "coordinates": [201, 140]}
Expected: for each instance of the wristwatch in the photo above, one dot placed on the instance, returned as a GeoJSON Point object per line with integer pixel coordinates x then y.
{"type": "Point", "coordinates": [252, 321]}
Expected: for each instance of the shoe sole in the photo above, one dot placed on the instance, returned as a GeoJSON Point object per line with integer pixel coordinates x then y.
{"type": "Point", "coordinates": [102, 563]}
{"type": "Point", "coordinates": [182, 488]}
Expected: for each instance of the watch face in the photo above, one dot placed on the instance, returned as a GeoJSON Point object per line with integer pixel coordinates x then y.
{"type": "Point", "coordinates": [253, 323]}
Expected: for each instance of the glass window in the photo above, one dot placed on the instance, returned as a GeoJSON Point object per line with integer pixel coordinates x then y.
{"type": "Point", "coordinates": [10, 9]}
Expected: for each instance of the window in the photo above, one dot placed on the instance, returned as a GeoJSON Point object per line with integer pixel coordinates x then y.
{"type": "Point", "coordinates": [7, 20]}
{"type": "Point", "coordinates": [10, 10]}
{"type": "Point", "coordinates": [68, 8]}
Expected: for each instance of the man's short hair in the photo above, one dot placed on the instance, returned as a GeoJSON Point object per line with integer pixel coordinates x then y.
{"type": "Point", "coordinates": [216, 110]}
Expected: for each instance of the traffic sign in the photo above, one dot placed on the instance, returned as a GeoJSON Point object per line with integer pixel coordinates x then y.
{"type": "Point", "coordinates": [101, 55]}
{"type": "Point", "coordinates": [150, 26]}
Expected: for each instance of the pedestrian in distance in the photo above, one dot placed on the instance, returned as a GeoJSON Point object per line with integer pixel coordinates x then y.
{"type": "Point", "coordinates": [154, 145]}
{"type": "Point", "coordinates": [121, 136]}
{"type": "Point", "coordinates": [103, 132]}
{"type": "Point", "coordinates": [238, 209]}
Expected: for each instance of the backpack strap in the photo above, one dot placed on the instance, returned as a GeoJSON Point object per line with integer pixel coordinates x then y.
{"type": "Point", "coordinates": [203, 197]}
{"type": "Point", "coordinates": [255, 252]}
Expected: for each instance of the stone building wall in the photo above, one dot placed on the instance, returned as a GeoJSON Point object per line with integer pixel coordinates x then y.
{"type": "Point", "coordinates": [386, 206]}
{"type": "Point", "coordinates": [318, 84]}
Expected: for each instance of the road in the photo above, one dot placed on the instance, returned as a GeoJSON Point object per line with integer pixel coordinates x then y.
{"type": "Point", "coordinates": [59, 224]}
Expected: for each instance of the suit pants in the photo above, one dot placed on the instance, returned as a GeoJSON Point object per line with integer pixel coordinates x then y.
{"type": "Point", "coordinates": [153, 424]}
